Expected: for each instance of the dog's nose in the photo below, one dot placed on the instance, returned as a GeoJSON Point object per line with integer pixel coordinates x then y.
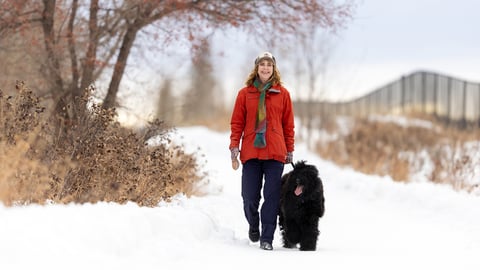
{"type": "Point", "coordinates": [298, 181]}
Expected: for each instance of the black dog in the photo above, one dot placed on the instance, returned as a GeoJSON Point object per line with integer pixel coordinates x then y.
{"type": "Point", "coordinates": [301, 205]}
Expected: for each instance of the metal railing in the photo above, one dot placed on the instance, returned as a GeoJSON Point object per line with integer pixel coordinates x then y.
{"type": "Point", "coordinates": [447, 98]}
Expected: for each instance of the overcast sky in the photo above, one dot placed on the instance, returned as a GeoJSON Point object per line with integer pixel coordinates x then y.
{"type": "Point", "coordinates": [388, 39]}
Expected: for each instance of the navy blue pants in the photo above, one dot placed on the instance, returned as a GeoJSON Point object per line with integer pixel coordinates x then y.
{"type": "Point", "coordinates": [253, 173]}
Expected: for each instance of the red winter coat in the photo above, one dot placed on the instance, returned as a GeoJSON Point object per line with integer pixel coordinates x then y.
{"type": "Point", "coordinates": [280, 132]}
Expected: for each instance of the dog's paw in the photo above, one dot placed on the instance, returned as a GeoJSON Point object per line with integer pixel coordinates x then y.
{"type": "Point", "coordinates": [289, 245]}
{"type": "Point", "coordinates": [307, 248]}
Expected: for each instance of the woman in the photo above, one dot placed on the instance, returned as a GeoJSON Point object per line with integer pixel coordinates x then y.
{"type": "Point", "coordinates": [263, 120]}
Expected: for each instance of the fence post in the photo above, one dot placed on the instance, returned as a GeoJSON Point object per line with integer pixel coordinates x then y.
{"type": "Point", "coordinates": [424, 92]}
{"type": "Point", "coordinates": [388, 99]}
{"type": "Point", "coordinates": [377, 102]}
{"type": "Point", "coordinates": [449, 96]}
{"type": "Point", "coordinates": [463, 123]}
{"type": "Point", "coordinates": [402, 95]}
{"type": "Point", "coordinates": [478, 113]}
{"type": "Point", "coordinates": [412, 94]}
{"type": "Point", "coordinates": [369, 104]}
{"type": "Point", "coordinates": [435, 95]}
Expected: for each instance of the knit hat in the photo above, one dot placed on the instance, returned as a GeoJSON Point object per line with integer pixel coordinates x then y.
{"type": "Point", "coordinates": [265, 55]}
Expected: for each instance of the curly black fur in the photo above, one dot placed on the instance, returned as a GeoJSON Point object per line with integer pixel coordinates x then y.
{"type": "Point", "coordinates": [299, 214]}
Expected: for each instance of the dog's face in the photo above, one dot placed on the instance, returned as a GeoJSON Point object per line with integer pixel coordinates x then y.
{"type": "Point", "coordinates": [303, 180]}
{"type": "Point", "coordinates": [299, 188]}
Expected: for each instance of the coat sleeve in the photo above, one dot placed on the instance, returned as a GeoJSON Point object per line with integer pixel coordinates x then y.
{"type": "Point", "coordinates": [288, 123]}
{"type": "Point", "coordinates": [237, 122]}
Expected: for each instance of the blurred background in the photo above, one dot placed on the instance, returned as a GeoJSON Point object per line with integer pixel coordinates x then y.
{"type": "Point", "coordinates": [366, 45]}
{"type": "Point", "coordinates": [386, 87]}
{"type": "Point", "coordinates": [380, 43]}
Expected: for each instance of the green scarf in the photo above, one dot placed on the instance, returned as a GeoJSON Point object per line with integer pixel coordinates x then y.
{"type": "Point", "coordinates": [261, 119]}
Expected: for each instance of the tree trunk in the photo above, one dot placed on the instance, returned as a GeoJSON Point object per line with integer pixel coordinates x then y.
{"type": "Point", "coordinates": [90, 57]}
{"type": "Point", "coordinates": [61, 97]}
{"type": "Point", "coordinates": [71, 48]}
{"type": "Point", "coordinates": [48, 15]}
{"type": "Point", "coordinates": [127, 44]}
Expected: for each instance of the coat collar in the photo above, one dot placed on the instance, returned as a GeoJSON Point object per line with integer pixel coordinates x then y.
{"type": "Point", "coordinates": [275, 89]}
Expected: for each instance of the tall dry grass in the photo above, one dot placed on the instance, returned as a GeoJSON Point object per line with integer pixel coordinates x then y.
{"type": "Point", "coordinates": [385, 148]}
{"type": "Point", "coordinates": [88, 159]}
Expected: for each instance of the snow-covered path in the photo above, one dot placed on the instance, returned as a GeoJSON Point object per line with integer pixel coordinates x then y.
{"type": "Point", "coordinates": [370, 223]}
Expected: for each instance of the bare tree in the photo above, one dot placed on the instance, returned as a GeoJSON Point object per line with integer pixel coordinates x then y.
{"type": "Point", "coordinates": [81, 39]}
{"type": "Point", "coordinates": [166, 109]}
{"type": "Point", "coordinates": [202, 100]}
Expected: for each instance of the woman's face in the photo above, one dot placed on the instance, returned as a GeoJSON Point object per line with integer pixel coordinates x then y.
{"type": "Point", "coordinates": [265, 70]}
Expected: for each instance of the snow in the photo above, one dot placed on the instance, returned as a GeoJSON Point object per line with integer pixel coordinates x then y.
{"type": "Point", "coordinates": [402, 121]}
{"type": "Point", "coordinates": [370, 222]}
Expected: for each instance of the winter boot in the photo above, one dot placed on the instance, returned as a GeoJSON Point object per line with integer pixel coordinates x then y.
{"type": "Point", "coordinates": [266, 246]}
{"type": "Point", "coordinates": [254, 235]}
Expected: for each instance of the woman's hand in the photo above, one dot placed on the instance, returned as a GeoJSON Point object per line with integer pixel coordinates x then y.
{"type": "Point", "coordinates": [234, 154]}
{"type": "Point", "coordinates": [289, 157]}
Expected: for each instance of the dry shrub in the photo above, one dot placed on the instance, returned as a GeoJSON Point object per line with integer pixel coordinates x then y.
{"type": "Point", "coordinates": [386, 148]}
{"type": "Point", "coordinates": [373, 147]}
{"type": "Point", "coordinates": [90, 158]}
{"type": "Point", "coordinates": [328, 122]}
{"type": "Point", "coordinates": [457, 161]}
{"type": "Point", "coordinates": [23, 178]}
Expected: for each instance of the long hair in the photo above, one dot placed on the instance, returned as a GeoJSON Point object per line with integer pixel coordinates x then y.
{"type": "Point", "coordinates": [275, 79]}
